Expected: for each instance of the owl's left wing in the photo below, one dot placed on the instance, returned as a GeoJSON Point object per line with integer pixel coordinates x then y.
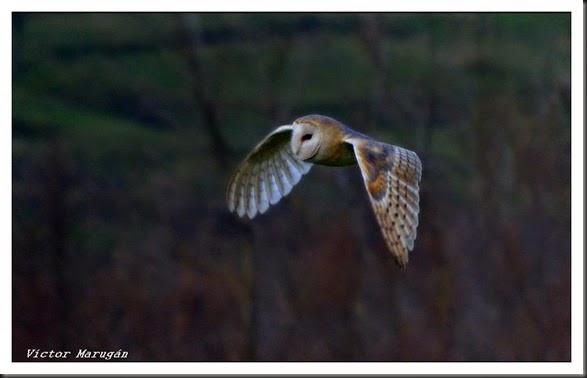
{"type": "Point", "coordinates": [391, 175]}
{"type": "Point", "coordinates": [266, 175]}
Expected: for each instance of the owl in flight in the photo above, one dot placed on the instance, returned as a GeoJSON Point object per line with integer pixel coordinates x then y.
{"type": "Point", "coordinates": [391, 174]}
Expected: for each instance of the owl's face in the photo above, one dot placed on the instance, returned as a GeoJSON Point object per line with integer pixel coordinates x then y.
{"type": "Point", "coordinates": [306, 140]}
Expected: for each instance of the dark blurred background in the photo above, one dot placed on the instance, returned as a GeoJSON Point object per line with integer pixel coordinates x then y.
{"type": "Point", "coordinates": [126, 128]}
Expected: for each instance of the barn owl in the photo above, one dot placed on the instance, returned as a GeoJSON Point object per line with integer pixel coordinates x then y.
{"type": "Point", "coordinates": [391, 174]}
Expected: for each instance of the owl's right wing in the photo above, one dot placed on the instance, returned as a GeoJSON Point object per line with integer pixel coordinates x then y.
{"type": "Point", "coordinates": [266, 175]}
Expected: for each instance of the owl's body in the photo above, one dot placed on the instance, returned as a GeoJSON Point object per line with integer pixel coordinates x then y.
{"type": "Point", "coordinates": [391, 174]}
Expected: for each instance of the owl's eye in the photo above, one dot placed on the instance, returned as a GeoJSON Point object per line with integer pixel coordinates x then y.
{"type": "Point", "coordinates": [306, 137]}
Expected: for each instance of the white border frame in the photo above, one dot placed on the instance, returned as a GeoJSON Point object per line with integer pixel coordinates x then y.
{"type": "Point", "coordinates": [576, 366]}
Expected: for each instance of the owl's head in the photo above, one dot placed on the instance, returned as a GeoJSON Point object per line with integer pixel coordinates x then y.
{"type": "Point", "coordinates": [306, 138]}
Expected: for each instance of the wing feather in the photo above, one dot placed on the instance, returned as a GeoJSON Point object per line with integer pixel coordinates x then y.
{"type": "Point", "coordinates": [266, 175]}
{"type": "Point", "coordinates": [263, 189]}
{"type": "Point", "coordinates": [275, 191]}
{"type": "Point", "coordinates": [284, 173]}
{"type": "Point", "coordinates": [251, 200]}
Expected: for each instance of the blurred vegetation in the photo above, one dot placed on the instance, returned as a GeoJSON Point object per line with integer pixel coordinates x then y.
{"type": "Point", "coordinates": [126, 128]}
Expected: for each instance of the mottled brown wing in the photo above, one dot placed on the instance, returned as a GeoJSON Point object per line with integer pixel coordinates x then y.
{"type": "Point", "coordinates": [391, 176]}
{"type": "Point", "coordinates": [266, 175]}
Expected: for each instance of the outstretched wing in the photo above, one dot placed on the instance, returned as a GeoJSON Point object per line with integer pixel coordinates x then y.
{"type": "Point", "coordinates": [266, 175]}
{"type": "Point", "coordinates": [391, 176]}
